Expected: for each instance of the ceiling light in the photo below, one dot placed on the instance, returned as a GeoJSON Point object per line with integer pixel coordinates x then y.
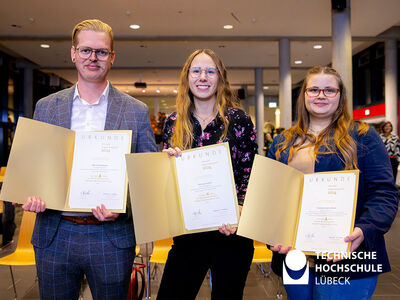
{"type": "Point", "coordinates": [175, 91]}
{"type": "Point", "coordinates": [143, 91]}
{"type": "Point", "coordinates": [228, 26]}
{"type": "Point", "coordinates": [134, 26]}
{"type": "Point", "coordinates": [266, 87]}
{"type": "Point", "coordinates": [317, 46]}
{"type": "Point", "coordinates": [158, 91]}
{"type": "Point", "coordinates": [298, 62]}
{"type": "Point", "coordinates": [46, 46]}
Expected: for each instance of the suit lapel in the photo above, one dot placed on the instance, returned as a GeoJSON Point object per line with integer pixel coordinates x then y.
{"type": "Point", "coordinates": [64, 107]}
{"type": "Point", "coordinates": [114, 110]}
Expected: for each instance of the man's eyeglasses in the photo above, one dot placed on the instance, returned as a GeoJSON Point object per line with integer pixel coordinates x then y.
{"type": "Point", "coordinates": [196, 72]}
{"type": "Point", "coordinates": [328, 92]}
{"type": "Point", "coordinates": [86, 52]}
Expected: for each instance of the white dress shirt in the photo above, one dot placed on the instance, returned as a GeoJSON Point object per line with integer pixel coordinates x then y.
{"type": "Point", "coordinates": [88, 117]}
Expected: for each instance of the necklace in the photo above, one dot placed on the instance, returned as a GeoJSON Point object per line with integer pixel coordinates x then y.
{"type": "Point", "coordinates": [206, 120]}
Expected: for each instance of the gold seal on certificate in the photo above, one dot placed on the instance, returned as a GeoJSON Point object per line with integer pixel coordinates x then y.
{"type": "Point", "coordinates": [176, 195]}
{"type": "Point", "coordinates": [311, 212]}
{"type": "Point", "coordinates": [70, 171]}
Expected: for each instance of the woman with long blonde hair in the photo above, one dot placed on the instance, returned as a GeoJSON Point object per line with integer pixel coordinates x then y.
{"type": "Point", "coordinates": [325, 138]}
{"type": "Point", "coordinates": [206, 114]}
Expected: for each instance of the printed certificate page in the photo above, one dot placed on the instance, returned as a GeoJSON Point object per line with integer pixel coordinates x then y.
{"type": "Point", "coordinates": [206, 187]}
{"type": "Point", "coordinates": [326, 215]}
{"type": "Point", "coordinates": [99, 171]}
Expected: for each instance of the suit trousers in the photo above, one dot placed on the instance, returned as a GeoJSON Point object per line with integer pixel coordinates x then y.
{"type": "Point", "coordinates": [192, 255]}
{"type": "Point", "coordinates": [83, 249]}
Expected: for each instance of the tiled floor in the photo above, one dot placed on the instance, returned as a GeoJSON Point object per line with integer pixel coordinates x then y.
{"type": "Point", "coordinates": [258, 286]}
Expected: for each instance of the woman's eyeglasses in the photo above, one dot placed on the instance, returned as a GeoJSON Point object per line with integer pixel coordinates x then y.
{"type": "Point", "coordinates": [328, 92]}
{"type": "Point", "coordinates": [196, 72]}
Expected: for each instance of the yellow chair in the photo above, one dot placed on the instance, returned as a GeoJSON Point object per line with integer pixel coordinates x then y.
{"type": "Point", "coordinates": [3, 171]}
{"type": "Point", "coordinates": [23, 254]}
{"type": "Point", "coordinates": [159, 256]}
{"type": "Point", "coordinates": [262, 255]}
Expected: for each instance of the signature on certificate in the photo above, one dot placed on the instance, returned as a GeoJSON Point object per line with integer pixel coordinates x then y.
{"type": "Point", "coordinates": [85, 194]}
{"type": "Point", "coordinates": [197, 212]}
{"type": "Point", "coordinates": [310, 235]}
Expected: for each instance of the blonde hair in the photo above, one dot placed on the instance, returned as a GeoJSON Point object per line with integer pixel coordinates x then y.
{"type": "Point", "coordinates": [335, 138]}
{"type": "Point", "coordinates": [183, 135]}
{"type": "Point", "coordinates": [94, 25]}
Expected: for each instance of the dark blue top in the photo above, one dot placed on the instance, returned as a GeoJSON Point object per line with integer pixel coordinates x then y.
{"type": "Point", "coordinates": [377, 196]}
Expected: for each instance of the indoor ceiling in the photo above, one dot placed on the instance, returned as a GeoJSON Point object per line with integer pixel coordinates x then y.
{"type": "Point", "coordinates": [171, 29]}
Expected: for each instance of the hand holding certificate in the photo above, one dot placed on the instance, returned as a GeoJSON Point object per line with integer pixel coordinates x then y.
{"type": "Point", "coordinates": [70, 171]}
{"type": "Point", "coordinates": [312, 212]}
{"type": "Point", "coordinates": [176, 195]}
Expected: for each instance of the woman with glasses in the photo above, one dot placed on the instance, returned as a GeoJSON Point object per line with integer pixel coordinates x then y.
{"type": "Point", "coordinates": [325, 138]}
{"type": "Point", "coordinates": [206, 114]}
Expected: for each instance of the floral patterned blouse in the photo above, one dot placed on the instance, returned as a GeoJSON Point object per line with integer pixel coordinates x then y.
{"type": "Point", "coordinates": [241, 137]}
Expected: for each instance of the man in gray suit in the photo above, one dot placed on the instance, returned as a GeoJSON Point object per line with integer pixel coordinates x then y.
{"type": "Point", "coordinates": [100, 245]}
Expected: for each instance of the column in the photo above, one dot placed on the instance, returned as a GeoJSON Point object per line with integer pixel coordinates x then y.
{"type": "Point", "coordinates": [259, 101]}
{"type": "Point", "coordinates": [341, 49]}
{"type": "Point", "coordinates": [285, 84]}
{"type": "Point", "coordinates": [391, 83]}
{"type": "Point", "coordinates": [156, 107]}
{"type": "Point", "coordinates": [28, 92]}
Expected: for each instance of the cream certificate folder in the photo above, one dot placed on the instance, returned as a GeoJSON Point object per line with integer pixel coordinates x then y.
{"type": "Point", "coordinates": [171, 195]}
{"type": "Point", "coordinates": [311, 212]}
{"type": "Point", "coordinates": [70, 171]}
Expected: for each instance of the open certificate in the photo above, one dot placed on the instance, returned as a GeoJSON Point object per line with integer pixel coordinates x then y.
{"type": "Point", "coordinates": [99, 169]}
{"type": "Point", "coordinates": [326, 211]}
{"type": "Point", "coordinates": [172, 196]}
{"type": "Point", "coordinates": [70, 171]}
{"type": "Point", "coordinates": [205, 187]}
{"type": "Point", "coordinates": [311, 212]}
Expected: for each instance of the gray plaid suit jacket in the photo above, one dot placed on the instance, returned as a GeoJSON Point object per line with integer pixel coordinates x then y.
{"type": "Point", "coordinates": [123, 113]}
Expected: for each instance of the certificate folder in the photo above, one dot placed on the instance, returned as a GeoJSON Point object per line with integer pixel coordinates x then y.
{"type": "Point", "coordinates": [172, 196]}
{"type": "Point", "coordinates": [46, 161]}
{"type": "Point", "coordinates": [311, 212]}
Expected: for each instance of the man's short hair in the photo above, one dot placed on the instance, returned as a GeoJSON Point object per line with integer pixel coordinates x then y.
{"type": "Point", "coordinates": [94, 25]}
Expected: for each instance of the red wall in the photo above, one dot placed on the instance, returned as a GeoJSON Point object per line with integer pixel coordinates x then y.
{"type": "Point", "coordinates": [374, 111]}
